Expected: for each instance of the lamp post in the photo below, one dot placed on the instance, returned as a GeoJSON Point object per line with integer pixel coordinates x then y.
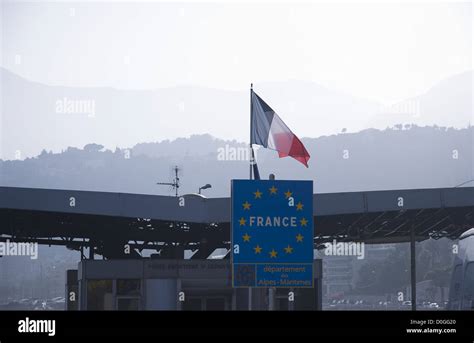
{"type": "Point", "coordinates": [206, 186]}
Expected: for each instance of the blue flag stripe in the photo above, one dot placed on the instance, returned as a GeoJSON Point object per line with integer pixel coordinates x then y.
{"type": "Point", "coordinates": [262, 117]}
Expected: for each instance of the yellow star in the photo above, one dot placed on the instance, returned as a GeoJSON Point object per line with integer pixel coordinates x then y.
{"type": "Point", "coordinates": [273, 253]}
{"type": "Point", "coordinates": [303, 222]}
{"type": "Point", "coordinates": [242, 221]}
{"type": "Point", "coordinates": [288, 194]}
{"type": "Point", "coordinates": [288, 249]}
{"type": "Point", "coordinates": [299, 206]}
{"type": "Point", "coordinates": [246, 237]}
{"type": "Point", "coordinates": [246, 205]}
{"type": "Point", "coordinates": [299, 238]}
{"type": "Point", "coordinates": [257, 249]}
{"type": "Point", "coordinates": [273, 190]}
{"type": "Point", "coordinates": [258, 194]}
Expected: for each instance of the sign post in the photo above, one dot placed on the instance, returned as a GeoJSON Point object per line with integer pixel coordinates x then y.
{"type": "Point", "coordinates": [272, 233]}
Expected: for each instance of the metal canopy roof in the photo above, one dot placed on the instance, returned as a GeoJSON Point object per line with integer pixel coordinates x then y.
{"type": "Point", "coordinates": [109, 220]}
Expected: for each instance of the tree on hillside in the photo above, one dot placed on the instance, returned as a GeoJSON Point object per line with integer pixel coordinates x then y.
{"type": "Point", "coordinates": [92, 147]}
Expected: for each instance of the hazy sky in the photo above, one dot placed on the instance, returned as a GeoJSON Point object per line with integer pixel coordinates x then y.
{"type": "Point", "coordinates": [384, 52]}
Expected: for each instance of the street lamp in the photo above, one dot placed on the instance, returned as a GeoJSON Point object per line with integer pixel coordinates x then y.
{"type": "Point", "coordinates": [206, 186]}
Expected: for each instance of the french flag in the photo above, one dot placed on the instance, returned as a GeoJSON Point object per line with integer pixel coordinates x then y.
{"type": "Point", "coordinates": [269, 131]}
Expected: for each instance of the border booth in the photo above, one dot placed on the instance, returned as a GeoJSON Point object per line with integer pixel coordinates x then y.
{"type": "Point", "coordinates": [190, 285]}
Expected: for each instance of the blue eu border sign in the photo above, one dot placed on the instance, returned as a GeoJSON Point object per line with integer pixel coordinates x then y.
{"type": "Point", "coordinates": [272, 233]}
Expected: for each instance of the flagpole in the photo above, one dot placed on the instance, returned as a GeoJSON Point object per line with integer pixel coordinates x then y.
{"type": "Point", "coordinates": [250, 145]}
{"type": "Point", "coordinates": [250, 177]}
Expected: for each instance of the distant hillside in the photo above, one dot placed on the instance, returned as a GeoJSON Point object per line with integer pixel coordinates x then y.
{"type": "Point", "coordinates": [37, 116]}
{"type": "Point", "coordinates": [449, 103]}
{"type": "Point", "coordinates": [395, 158]}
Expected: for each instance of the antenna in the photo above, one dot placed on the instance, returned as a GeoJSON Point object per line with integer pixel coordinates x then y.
{"type": "Point", "coordinates": [175, 183]}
